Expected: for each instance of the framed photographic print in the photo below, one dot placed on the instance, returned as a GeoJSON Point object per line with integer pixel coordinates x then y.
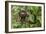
{"type": "Point", "coordinates": [24, 16]}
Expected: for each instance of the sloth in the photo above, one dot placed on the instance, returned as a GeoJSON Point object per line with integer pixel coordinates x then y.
{"type": "Point", "coordinates": [23, 14]}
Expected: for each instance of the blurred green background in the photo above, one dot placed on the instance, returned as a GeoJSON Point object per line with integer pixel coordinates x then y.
{"type": "Point", "coordinates": [34, 19]}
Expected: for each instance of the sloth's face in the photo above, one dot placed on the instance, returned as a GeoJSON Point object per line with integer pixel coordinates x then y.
{"type": "Point", "coordinates": [23, 14]}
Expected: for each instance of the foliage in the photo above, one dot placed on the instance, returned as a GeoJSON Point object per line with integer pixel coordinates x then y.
{"type": "Point", "coordinates": [34, 19]}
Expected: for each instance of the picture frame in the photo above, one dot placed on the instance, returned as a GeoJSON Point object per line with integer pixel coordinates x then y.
{"type": "Point", "coordinates": [10, 23]}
